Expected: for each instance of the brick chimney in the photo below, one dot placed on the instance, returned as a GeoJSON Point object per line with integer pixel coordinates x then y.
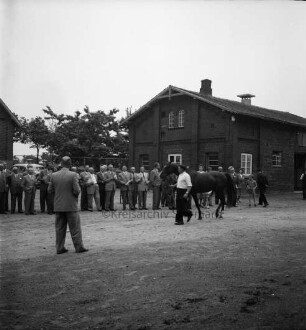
{"type": "Point", "coordinates": [206, 87]}
{"type": "Point", "coordinates": [246, 98]}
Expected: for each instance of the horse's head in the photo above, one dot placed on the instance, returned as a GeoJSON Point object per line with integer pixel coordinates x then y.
{"type": "Point", "coordinates": [169, 169]}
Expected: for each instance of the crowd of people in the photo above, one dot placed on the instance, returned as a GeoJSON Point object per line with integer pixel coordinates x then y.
{"type": "Point", "coordinates": [99, 188]}
{"type": "Point", "coordinates": [60, 190]}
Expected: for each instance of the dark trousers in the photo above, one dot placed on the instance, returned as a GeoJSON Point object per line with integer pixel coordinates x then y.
{"type": "Point", "coordinates": [74, 224]}
{"type": "Point", "coordinates": [125, 199]}
{"type": "Point", "coordinates": [50, 205]}
{"type": "Point", "coordinates": [6, 200]}
{"type": "Point", "coordinates": [142, 199]}
{"type": "Point", "coordinates": [102, 196]}
{"type": "Point", "coordinates": [43, 196]}
{"type": "Point", "coordinates": [181, 206]}
{"type": "Point", "coordinates": [168, 198]}
{"type": "Point", "coordinates": [262, 197]}
{"type": "Point", "coordinates": [2, 202]}
{"type": "Point", "coordinates": [16, 197]}
{"type": "Point", "coordinates": [163, 197]}
{"type": "Point", "coordinates": [84, 201]}
{"type": "Point", "coordinates": [29, 198]}
{"type": "Point", "coordinates": [109, 200]}
{"type": "Point", "coordinates": [156, 197]}
{"type": "Point", "coordinates": [133, 198]}
{"type": "Point", "coordinates": [231, 197]}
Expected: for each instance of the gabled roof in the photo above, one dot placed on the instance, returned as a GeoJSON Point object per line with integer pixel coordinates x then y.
{"type": "Point", "coordinates": [9, 112]}
{"type": "Point", "coordinates": [233, 107]}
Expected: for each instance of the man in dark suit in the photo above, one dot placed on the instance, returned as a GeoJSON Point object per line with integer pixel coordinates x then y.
{"type": "Point", "coordinates": [230, 187]}
{"type": "Point", "coordinates": [101, 183]}
{"type": "Point", "coordinates": [3, 189]}
{"type": "Point", "coordinates": [29, 187]}
{"type": "Point", "coordinates": [6, 194]}
{"type": "Point", "coordinates": [110, 178]}
{"type": "Point", "coordinates": [50, 202]}
{"type": "Point", "coordinates": [15, 181]}
{"type": "Point", "coordinates": [84, 176]}
{"type": "Point", "coordinates": [262, 184]}
{"type": "Point", "coordinates": [65, 186]}
{"type": "Point", "coordinates": [43, 189]}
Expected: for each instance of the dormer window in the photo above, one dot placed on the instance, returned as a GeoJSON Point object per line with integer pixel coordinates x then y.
{"type": "Point", "coordinates": [181, 118]}
{"type": "Point", "coordinates": [171, 119]}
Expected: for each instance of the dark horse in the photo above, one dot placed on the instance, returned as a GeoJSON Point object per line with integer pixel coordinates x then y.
{"type": "Point", "coordinates": [201, 183]}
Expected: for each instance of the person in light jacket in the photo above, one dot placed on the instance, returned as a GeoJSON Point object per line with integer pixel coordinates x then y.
{"type": "Point", "coordinates": [29, 187]}
{"type": "Point", "coordinates": [142, 180]}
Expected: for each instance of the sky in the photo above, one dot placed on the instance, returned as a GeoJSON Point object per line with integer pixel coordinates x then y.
{"type": "Point", "coordinates": [119, 54]}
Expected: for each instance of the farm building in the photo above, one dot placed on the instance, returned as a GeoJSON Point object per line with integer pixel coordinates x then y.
{"type": "Point", "coordinates": [8, 122]}
{"type": "Point", "coordinates": [189, 127]}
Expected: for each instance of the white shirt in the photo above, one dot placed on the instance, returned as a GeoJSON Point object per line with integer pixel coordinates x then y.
{"type": "Point", "coordinates": [93, 177]}
{"type": "Point", "coordinates": [184, 181]}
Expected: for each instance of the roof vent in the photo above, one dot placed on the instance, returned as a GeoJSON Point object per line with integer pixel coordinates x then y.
{"type": "Point", "coordinates": [246, 98]}
{"type": "Point", "coordinates": [206, 87]}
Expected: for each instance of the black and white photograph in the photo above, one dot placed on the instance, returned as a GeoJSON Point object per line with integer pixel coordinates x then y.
{"type": "Point", "coordinates": [152, 164]}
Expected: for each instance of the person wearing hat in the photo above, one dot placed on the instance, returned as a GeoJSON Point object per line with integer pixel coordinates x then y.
{"type": "Point", "coordinates": [183, 187]}
{"type": "Point", "coordinates": [65, 186]}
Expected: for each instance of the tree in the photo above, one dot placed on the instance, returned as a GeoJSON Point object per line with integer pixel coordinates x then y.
{"type": "Point", "coordinates": [84, 134]}
{"type": "Point", "coordinates": [34, 132]}
{"type": "Point", "coordinates": [92, 134]}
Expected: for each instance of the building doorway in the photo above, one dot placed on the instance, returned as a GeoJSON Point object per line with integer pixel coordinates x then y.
{"type": "Point", "coordinates": [299, 166]}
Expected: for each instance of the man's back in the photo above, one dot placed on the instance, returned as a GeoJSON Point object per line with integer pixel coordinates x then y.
{"type": "Point", "coordinates": [262, 180]}
{"type": "Point", "coordinates": [66, 189]}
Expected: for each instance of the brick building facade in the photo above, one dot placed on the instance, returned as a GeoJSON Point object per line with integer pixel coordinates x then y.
{"type": "Point", "coordinates": [188, 127]}
{"type": "Point", "coordinates": [8, 122]}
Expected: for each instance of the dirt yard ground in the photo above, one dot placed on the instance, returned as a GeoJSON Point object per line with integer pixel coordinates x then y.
{"type": "Point", "coordinates": [245, 271]}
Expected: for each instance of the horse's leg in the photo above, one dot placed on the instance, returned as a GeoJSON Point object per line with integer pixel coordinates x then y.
{"type": "Point", "coordinates": [196, 201]}
{"type": "Point", "coordinates": [222, 205]}
{"type": "Point", "coordinates": [219, 204]}
{"type": "Point", "coordinates": [221, 198]}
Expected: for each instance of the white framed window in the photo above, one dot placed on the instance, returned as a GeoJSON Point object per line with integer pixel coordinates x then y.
{"type": "Point", "coordinates": [171, 119]}
{"type": "Point", "coordinates": [175, 158]}
{"type": "Point", "coordinates": [246, 163]}
{"type": "Point", "coordinates": [277, 159]}
{"type": "Point", "coordinates": [181, 115]}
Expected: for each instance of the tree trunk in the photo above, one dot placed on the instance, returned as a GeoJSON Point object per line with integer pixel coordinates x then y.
{"type": "Point", "coordinates": [37, 155]}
